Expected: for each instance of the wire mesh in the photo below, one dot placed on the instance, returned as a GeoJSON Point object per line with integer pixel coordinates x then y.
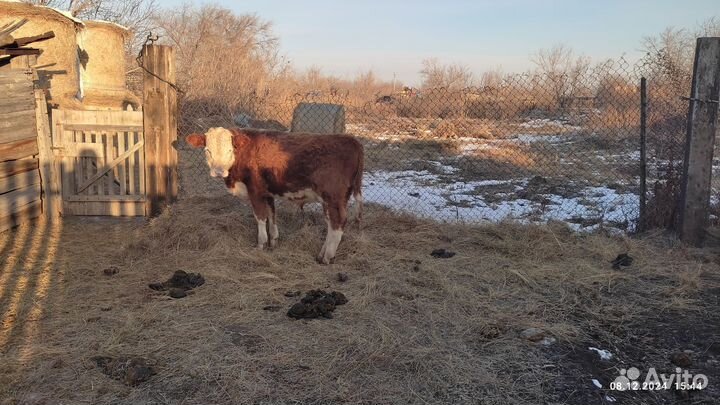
{"type": "Point", "coordinates": [531, 147]}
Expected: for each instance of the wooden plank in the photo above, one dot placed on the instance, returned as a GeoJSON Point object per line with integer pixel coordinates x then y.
{"type": "Point", "coordinates": [94, 165]}
{"type": "Point", "coordinates": [18, 181]}
{"type": "Point", "coordinates": [13, 78]}
{"type": "Point", "coordinates": [14, 167]}
{"type": "Point", "coordinates": [103, 118]}
{"type": "Point", "coordinates": [121, 167]}
{"type": "Point", "coordinates": [109, 166]}
{"type": "Point", "coordinates": [158, 100]}
{"type": "Point", "coordinates": [17, 91]}
{"type": "Point", "coordinates": [56, 121]}
{"type": "Point", "coordinates": [11, 27]}
{"type": "Point", "coordinates": [18, 149]}
{"type": "Point", "coordinates": [24, 101]}
{"type": "Point", "coordinates": [51, 197]}
{"type": "Point", "coordinates": [141, 167]}
{"type": "Point", "coordinates": [102, 128]}
{"type": "Point", "coordinates": [9, 119]}
{"type": "Point", "coordinates": [105, 198]}
{"type": "Point", "coordinates": [81, 149]}
{"type": "Point", "coordinates": [61, 165]}
{"type": "Point", "coordinates": [20, 51]}
{"type": "Point", "coordinates": [172, 134]}
{"type": "Point", "coordinates": [22, 125]}
{"type": "Point", "coordinates": [21, 131]}
{"type": "Point", "coordinates": [110, 188]}
{"type": "Point", "coordinates": [23, 214]}
{"type": "Point", "coordinates": [17, 198]}
{"type": "Point", "coordinates": [131, 164]}
{"type": "Point", "coordinates": [21, 105]}
{"type": "Point", "coordinates": [35, 38]}
{"type": "Point", "coordinates": [702, 125]}
{"type": "Point", "coordinates": [86, 170]}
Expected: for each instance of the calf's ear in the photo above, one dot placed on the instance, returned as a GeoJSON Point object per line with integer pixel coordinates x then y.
{"type": "Point", "coordinates": [196, 140]}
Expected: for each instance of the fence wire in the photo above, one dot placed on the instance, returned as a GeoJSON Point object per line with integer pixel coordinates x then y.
{"type": "Point", "coordinates": [530, 147]}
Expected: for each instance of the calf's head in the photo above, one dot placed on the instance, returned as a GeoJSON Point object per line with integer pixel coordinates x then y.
{"type": "Point", "coordinates": [219, 149]}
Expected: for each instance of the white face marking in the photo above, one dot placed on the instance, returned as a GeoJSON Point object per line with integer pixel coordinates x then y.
{"type": "Point", "coordinates": [239, 190]}
{"type": "Point", "coordinates": [219, 151]}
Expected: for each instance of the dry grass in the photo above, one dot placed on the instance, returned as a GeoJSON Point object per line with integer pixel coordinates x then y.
{"type": "Point", "coordinates": [447, 333]}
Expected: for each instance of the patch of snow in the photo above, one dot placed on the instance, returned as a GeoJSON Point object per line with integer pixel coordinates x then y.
{"type": "Point", "coordinates": [111, 23]}
{"type": "Point", "coordinates": [609, 398]}
{"type": "Point", "coordinates": [544, 122]}
{"type": "Point", "coordinates": [429, 195]}
{"type": "Point", "coordinates": [596, 383]}
{"type": "Point", "coordinates": [604, 354]}
{"type": "Point", "coordinates": [446, 169]}
{"type": "Point", "coordinates": [533, 138]}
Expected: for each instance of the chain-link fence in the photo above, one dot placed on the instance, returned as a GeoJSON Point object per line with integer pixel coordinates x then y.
{"type": "Point", "coordinates": [532, 147]}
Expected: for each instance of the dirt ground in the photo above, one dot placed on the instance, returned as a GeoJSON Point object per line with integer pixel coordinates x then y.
{"type": "Point", "coordinates": [74, 298]}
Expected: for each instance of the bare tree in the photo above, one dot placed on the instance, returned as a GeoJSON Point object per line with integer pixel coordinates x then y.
{"type": "Point", "coordinates": [561, 73]}
{"type": "Point", "coordinates": [222, 56]}
{"type": "Point", "coordinates": [671, 52]}
{"type": "Point", "coordinates": [451, 76]}
{"type": "Point", "coordinates": [491, 78]}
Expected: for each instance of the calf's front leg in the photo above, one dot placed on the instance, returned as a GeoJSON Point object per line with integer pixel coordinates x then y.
{"type": "Point", "coordinates": [261, 210]}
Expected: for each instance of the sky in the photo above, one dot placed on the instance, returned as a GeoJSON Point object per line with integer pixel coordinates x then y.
{"type": "Point", "coordinates": [392, 37]}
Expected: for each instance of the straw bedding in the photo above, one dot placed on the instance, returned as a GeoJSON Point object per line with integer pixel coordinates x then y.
{"type": "Point", "coordinates": [415, 328]}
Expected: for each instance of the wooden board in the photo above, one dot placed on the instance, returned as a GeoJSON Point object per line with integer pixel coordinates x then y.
{"type": "Point", "coordinates": [18, 181]}
{"type": "Point", "coordinates": [10, 202]}
{"type": "Point", "coordinates": [14, 167]}
{"type": "Point", "coordinates": [22, 214]}
{"type": "Point", "coordinates": [50, 174]}
{"type": "Point", "coordinates": [15, 76]}
{"type": "Point", "coordinates": [18, 149]}
{"type": "Point", "coordinates": [15, 106]}
{"type": "Point", "coordinates": [21, 126]}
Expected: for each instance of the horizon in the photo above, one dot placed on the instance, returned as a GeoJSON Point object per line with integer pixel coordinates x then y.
{"type": "Point", "coordinates": [392, 39]}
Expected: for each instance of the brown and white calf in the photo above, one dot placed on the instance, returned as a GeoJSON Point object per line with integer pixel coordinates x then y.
{"type": "Point", "coordinates": [261, 165]}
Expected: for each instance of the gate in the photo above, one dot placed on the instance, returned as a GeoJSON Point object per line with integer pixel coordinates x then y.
{"type": "Point", "coordinates": [100, 155]}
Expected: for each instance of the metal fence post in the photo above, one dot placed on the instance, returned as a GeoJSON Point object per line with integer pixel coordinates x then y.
{"type": "Point", "coordinates": [702, 124]}
{"type": "Point", "coordinates": [643, 155]}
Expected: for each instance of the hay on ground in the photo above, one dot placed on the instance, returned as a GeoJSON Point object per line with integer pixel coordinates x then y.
{"type": "Point", "coordinates": [416, 329]}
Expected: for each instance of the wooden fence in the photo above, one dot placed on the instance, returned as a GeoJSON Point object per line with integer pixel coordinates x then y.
{"type": "Point", "coordinates": [117, 163]}
{"type": "Point", "coordinates": [19, 164]}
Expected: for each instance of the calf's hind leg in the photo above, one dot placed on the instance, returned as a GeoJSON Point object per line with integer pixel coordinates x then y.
{"type": "Point", "coordinates": [336, 217]}
{"type": "Point", "coordinates": [272, 223]}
